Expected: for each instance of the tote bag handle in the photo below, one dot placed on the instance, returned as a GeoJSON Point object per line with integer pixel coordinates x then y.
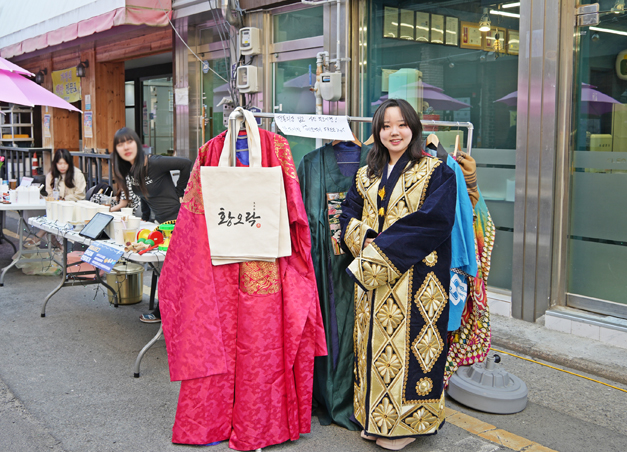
{"type": "Point", "coordinates": [254, 141]}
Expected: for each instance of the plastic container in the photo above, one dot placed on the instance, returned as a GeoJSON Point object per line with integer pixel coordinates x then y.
{"type": "Point", "coordinates": [127, 279]}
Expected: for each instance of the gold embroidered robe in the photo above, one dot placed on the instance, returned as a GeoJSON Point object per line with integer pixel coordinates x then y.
{"type": "Point", "coordinates": [401, 299]}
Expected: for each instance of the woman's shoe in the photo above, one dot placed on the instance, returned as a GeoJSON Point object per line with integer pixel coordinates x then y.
{"type": "Point", "coordinates": [364, 435]}
{"type": "Point", "coordinates": [149, 318]}
{"type": "Point", "coordinates": [394, 444]}
{"type": "Point", "coordinates": [32, 242]}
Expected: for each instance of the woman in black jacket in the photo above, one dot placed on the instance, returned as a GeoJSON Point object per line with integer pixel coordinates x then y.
{"type": "Point", "coordinates": [149, 177]}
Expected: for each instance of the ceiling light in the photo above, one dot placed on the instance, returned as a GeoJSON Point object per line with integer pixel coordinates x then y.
{"type": "Point", "coordinates": [484, 23]}
{"type": "Point", "coordinates": [511, 5]}
{"type": "Point", "coordinates": [609, 30]}
{"type": "Point", "coordinates": [496, 12]}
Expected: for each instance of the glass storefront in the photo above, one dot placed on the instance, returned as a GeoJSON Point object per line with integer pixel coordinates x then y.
{"type": "Point", "coordinates": [597, 240]}
{"type": "Point", "coordinates": [436, 56]}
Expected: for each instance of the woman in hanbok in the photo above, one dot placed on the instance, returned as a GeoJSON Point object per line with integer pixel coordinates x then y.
{"type": "Point", "coordinates": [396, 221]}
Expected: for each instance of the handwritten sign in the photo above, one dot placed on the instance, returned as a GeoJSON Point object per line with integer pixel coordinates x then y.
{"type": "Point", "coordinates": [102, 255]}
{"type": "Point", "coordinates": [315, 126]}
{"type": "Point", "coordinates": [67, 85]}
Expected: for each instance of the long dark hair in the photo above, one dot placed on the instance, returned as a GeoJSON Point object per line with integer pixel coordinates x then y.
{"type": "Point", "coordinates": [379, 156]}
{"type": "Point", "coordinates": [68, 177]}
{"type": "Point", "coordinates": [122, 168]}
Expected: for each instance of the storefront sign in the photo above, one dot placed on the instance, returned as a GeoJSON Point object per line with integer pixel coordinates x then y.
{"type": "Point", "coordinates": [102, 256]}
{"type": "Point", "coordinates": [67, 85]}
{"type": "Point", "coordinates": [315, 126]}
{"type": "Point", "coordinates": [88, 125]}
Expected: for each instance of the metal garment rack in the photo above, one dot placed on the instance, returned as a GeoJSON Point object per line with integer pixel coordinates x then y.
{"type": "Point", "coordinates": [468, 125]}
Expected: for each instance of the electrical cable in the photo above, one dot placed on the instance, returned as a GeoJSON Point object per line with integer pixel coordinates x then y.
{"type": "Point", "coordinates": [557, 368]}
{"type": "Point", "coordinates": [166, 15]}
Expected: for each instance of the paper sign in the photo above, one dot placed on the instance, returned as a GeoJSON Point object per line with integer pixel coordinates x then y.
{"type": "Point", "coordinates": [26, 181]}
{"type": "Point", "coordinates": [47, 126]}
{"type": "Point", "coordinates": [88, 124]}
{"type": "Point", "coordinates": [182, 96]}
{"type": "Point", "coordinates": [67, 85]}
{"type": "Point", "coordinates": [102, 255]}
{"type": "Point", "coordinates": [315, 126]}
{"type": "Point", "coordinates": [87, 102]}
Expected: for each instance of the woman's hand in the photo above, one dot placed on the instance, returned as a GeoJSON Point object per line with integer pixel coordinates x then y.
{"type": "Point", "coordinates": [181, 200]}
{"type": "Point", "coordinates": [367, 242]}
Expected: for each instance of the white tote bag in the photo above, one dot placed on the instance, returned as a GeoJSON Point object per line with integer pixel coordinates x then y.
{"type": "Point", "coordinates": [245, 207]}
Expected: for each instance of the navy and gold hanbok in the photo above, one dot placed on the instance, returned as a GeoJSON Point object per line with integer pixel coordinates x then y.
{"type": "Point", "coordinates": [401, 294]}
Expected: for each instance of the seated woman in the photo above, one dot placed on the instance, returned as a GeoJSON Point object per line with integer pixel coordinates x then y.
{"type": "Point", "coordinates": [66, 180]}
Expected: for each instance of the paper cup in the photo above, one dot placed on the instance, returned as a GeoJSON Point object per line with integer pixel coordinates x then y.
{"type": "Point", "coordinates": [49, 209]}
{"type": "Point", "coordinates": [133, 222]}
{"type": "Point", "coordinates": [127, 211]}
{"type": "Point", "coordinates": [55, 208]}
{"type": "Point", "coordinates": [90, 211]}
{"type": "Point", "coordinates": [67, 212]}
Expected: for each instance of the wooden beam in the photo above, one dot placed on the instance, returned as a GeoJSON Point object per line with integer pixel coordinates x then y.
{"type": "Point", "coordinates": [157, 41]}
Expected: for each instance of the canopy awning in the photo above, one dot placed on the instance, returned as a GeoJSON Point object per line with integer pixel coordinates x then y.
{"type": "Point", "coordinates": [77, 19]}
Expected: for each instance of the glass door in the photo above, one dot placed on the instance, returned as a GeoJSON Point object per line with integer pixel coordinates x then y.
{"type": "Point", "coordinates": [158, 115]}
{"type": "Point", "coordinates": [597, 236]}
{"type": "Point", "coordinates": [292, 94]}
{"type": "Point", "coordinates": [214, 89]}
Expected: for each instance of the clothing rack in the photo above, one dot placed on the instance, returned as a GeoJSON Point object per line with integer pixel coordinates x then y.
{"type": "Point", "coordinates": [235, 115]}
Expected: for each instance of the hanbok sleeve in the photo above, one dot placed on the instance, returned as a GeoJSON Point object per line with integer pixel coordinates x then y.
{"type": "Point", "coordinates": [412, 237]}
{"type": "Point", "coordinates": [354, 231]}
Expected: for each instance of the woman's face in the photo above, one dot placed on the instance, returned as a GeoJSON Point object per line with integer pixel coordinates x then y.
{"type": "Point", "coordinates": [62, 166]}
{"type": "Point", "coordinates": [127, 150]}
{"type": "Point", "coordinates": [395, 134]}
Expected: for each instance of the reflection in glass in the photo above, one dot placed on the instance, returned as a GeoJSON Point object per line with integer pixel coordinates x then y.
{"type": "Point", "coordinates": [422, 26]}
{"type": "Point", "coordinates": [407, 24]}
{"type": "Point", "coordinates": [437, 29]}
{"type": "Point", "coordinates": [293, 80]}
{"type": "Point", "coordinates": [452, 31]}
{"type": "Point", "coordinates": [304, 23]}
{"type": "Point", "coordinates": [597, 252]}
{"type": "Point", "coordinates": [390, 22]}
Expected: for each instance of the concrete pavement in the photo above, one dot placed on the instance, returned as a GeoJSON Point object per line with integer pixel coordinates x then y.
{"type": "Point", "coordinates": [66, 384]}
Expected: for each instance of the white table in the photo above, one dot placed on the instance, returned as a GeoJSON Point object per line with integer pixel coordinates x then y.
{"type": "Point", "coordinates": [67, 233]}
{"type": "Point", "coordinates": [21, 252]}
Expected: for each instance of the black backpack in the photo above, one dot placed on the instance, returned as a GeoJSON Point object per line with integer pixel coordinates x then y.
{"type": "Point", "coordinates": [98, 190]}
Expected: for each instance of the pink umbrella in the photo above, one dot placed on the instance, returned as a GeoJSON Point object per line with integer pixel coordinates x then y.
{"type": "Point", "coordinates": [436, 99]}
{"type": "Point", "coordinates": [593, 102]}
{"type": "Point", "coordinates": [16, 89]}
{"type": "Point", "coordinates": [6, 65]}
